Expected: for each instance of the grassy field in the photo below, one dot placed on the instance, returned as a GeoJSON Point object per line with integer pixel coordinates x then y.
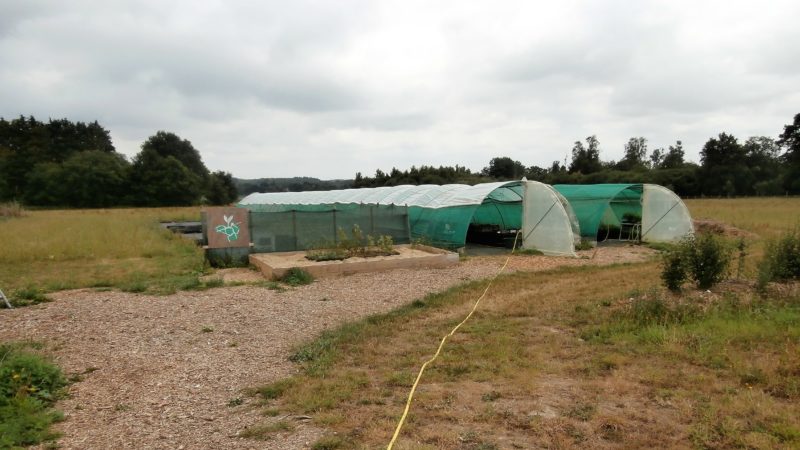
{"type": "Point", "coordinates": [124, 248]}
{"type": "Point", "coordinates": [594, 357]}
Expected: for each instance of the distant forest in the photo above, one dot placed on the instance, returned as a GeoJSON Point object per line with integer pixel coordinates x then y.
{"type": "Point", "coordinates": [74, 164]}
{"type": "Point", "coordinates": [758, 166]}
{"type": "Point", "coordinates": [296, 184]}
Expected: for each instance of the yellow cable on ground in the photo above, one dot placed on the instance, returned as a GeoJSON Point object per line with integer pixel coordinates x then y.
{"type": "Point", "coordinates": [441, 345]}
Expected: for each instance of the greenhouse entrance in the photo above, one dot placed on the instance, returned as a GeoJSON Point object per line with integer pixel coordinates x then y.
{"type": "Point", "coordinates": [628, 212]}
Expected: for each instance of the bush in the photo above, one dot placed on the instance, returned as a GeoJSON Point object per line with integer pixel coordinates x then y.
{"type": "Point", "coordinates": [673, 270]}
{"type": "Point", "coordinates": [28, 387]}
{"type": "Point", "coordinates": [297, 277]}
{"type": "Point", "coordinates": [781, 259]}
{"type": "Point", "coordinates": [707, 259]}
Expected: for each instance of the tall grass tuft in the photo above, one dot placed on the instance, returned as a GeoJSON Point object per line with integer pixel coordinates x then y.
{"type": "Point", "coordinates": [11, 209]}
{"type": "Point", "coordinates": [781, 259]}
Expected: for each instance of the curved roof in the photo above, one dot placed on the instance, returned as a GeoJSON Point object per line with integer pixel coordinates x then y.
{"type": "Point", "coordinates": [579, 192]}
{"type": "Point", "coordinates": [425, 196]}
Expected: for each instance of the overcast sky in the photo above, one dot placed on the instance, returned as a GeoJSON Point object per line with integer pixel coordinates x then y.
{"type": "Point", "coordinates": [326, 89]}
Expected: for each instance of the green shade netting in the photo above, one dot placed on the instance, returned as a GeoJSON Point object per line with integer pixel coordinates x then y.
{"type": "Point", "coordinates": [438, 214]}
{"type": "Point", "coordinates": [596, 204]}
{"type": "Point", "coordinates": [284, 228]}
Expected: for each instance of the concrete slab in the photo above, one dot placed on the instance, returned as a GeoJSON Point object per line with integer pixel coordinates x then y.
{"type": "Point", "coordinates": [275, 265]}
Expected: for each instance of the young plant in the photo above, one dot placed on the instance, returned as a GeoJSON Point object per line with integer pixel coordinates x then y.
{"type": "Point", "coordinates": [707, 259]}
{"type": "Point", "coordinates": [673, 270]}
{"type": "Point", "coordinates": [781, 259]}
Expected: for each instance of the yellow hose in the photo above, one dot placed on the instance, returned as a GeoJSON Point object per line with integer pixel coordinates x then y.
{"type": "Point", "coordinates": [441, 346]}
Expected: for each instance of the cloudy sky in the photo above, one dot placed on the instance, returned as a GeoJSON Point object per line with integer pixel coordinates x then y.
{"type": "Point", "coordinates": [328, 88]}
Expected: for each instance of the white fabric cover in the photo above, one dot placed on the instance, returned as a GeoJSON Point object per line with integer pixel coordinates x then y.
{"type": "Point", "coordinates": [426, 195]}
{"type": "Point", "coordinates": [548, 222]}
{"type": "Point", "coordinates": [665, 218]}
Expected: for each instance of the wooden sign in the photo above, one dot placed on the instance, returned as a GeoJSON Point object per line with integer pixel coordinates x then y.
{"type": "Point", "coordinates": [227, 227]}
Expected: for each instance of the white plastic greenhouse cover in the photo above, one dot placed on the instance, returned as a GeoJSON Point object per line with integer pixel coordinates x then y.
{"type": "Point", "coordinates": [426, 195]}
{"type": "Point", "coordinates": [548, 224]}
{"type": "Point", "coordinates": [665, 217]}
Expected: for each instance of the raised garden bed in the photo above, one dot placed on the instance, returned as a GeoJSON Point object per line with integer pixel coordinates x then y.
{"type": "Point", "coordinates": [275, 265]}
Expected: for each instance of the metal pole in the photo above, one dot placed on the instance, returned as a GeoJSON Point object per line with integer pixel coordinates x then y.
{"type": "Point", "coordinates": [8, 304]}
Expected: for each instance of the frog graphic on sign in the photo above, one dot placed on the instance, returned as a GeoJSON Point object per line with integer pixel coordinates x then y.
{"type": "Point", "coordinates": [230, 229]}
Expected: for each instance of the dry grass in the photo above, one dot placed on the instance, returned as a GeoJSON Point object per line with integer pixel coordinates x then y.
{"type": "Point", "coordinates": [578, 357]}
{"type": "Point", "coordinates": [766, 216]}
{"type": "Point", "coordinates": [126, 248]}
{"type": "Point", "coordinates": [11, 209]}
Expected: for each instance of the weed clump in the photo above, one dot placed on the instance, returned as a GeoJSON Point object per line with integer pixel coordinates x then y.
{"type": "Point", "coordinates": [781, 259]}
{"type": "Point", "coordinates": [28, 296]}
{"type": "Point", "coordinates": [297, 277]}
{"type": "Point", "coordinates": [29, 385]}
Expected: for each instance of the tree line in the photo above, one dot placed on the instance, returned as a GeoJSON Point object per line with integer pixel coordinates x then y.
{"type": "Point", "coordinates": [75, 164]}
{"type": "Point", "coordinates": [758, 166]}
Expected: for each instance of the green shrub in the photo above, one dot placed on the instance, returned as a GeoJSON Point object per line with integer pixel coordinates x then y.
{"type": "Point", "coordinates": [781, 259]}
{"type": "Point", "coordinates": [707, 259]}
{"type": "Point", "coordinates": [297, 277]}
{"type": "Point", "coordinates": [28, 387]}
{"type": "Point", "coordinates": [673, 270]}
{"type": "Point", "coordinates": [585, 244]}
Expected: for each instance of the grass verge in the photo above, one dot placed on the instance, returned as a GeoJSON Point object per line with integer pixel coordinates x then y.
{"type": "Point", "coordinates": [580, 356]}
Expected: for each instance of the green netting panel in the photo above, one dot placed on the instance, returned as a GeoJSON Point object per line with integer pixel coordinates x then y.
{"type": "Point", "coordinates": [597, 203]}
{"type": "Point", "coordinates": [443, 227]}
{"type": "Point", "coordinates": [507, 215]}
{"type": "Point", "coordinates": [272, 232]}
{"type": "Point", "coordinates": [306, 226]}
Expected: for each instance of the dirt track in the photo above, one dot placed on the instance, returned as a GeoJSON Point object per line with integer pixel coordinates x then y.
{"type": "Point", "coordinates": [159, 372]}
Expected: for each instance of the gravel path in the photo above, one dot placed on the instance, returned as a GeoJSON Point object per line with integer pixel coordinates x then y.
{"type": "Point", "coordinates": [158, 372]}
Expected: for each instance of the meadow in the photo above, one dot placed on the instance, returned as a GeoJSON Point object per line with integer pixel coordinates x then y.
{"type": "Point", "coordinates": [45, 251]}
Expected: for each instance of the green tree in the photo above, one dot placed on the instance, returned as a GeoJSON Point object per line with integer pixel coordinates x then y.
{"type": "Point", "coordinates": [163, 181]}
{"type": "Point", "coordinates": [674, 157]}
{"type": "Point", "coordinates": [586, 159]}
{"type": "Point", "coordinates": [723, 167]}
{"type": "Point", "coordinates": [221, 189]}
{"type": "Point", "coordinates": [504, 168]}
{"type": "Point", "coordinates": [657, 158]}
{"type": "Point", "coordinates": [94, 179]}
{"type": "Point", "coordinates": [790, 139]}
{"type": "Point", "coordinates": [167, 144]}
{"type": "Point", "coordinates": [44, 186]}
{"type": "Point", "coordinates": [762, 156]}
{"type": "Point", "coordinates": [635, 153]}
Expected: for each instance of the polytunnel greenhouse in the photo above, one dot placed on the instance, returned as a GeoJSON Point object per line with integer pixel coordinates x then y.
{"type": "Point", "coordinates": [450, 215]}
{"type": "Point", "coordinates": [636, 212]}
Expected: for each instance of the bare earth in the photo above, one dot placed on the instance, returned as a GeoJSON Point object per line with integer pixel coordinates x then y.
{"type": "Point", "coordinates": [159, 372]}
